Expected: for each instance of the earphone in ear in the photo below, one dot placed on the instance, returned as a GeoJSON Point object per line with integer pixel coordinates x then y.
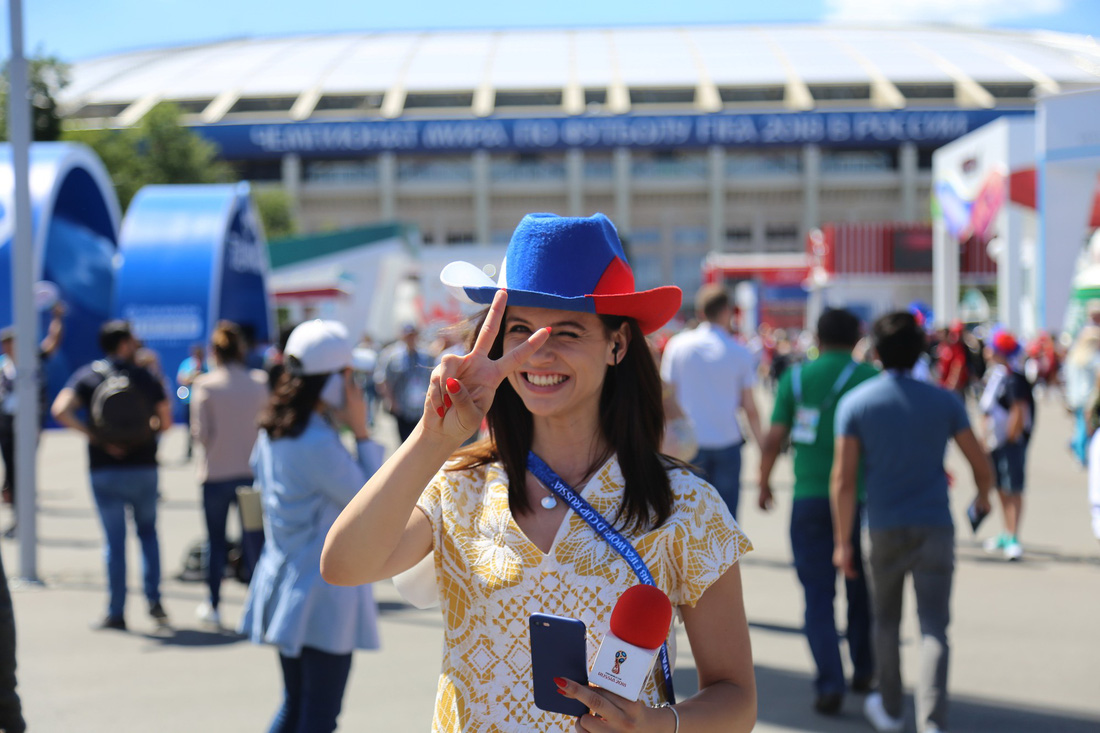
{"type": "Point", "coordinates": [615, 352]}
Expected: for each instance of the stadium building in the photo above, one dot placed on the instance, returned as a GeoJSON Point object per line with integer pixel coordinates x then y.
{"type": "Point", "coordinates": [696, 140]}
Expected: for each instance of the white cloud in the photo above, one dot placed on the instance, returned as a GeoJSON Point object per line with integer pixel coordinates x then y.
{"type": "Point", "coordinates": [966, 12]}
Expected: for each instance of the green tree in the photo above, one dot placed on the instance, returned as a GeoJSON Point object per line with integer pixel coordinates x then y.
{"type": "Point", "coordinates": [174, 154]}
{"type": "Point", "coordinates": [161, 150]}
{"type": "Point", "coordinates": [274, 208]}
{"type": "Point", "coordinates": [46, 77]}
{"type": "Point", "coordinates": [158, 150]}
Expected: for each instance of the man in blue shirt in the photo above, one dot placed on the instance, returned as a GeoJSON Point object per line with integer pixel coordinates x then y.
{"type": "Point", "coordinates": [402, 377]}
{"type": "Point", "coordinates": [897, 429]}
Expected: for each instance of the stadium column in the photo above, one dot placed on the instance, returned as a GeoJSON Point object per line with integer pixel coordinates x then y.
{"type": "Point", "coordinates": [387, 182]}
{"type": "Point", "coordinates": [480, 164]}
{"type": "Point", "coordinates": [291, 171]}
{"type": "Point", "coordinates": [1010, 269]}
{"type": "Point", "coordinates": [945, 273]}
{"type": "Point", "coordinates": [716, 194]}
{"type": "Point", "coordinates": [620, 164]}
{"type": "Point", "coordinates": [907, 167]}
{"type": "Point", "coordinates": [574, 181]}
{"type": "Point", "coordinates": [811, 189]}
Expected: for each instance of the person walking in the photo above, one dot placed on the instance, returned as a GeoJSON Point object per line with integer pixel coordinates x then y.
{"type": "Point", "coordinates": [126, 410]}
{"type": "Point", "coordinates": [1082, 368]}
{"type": "Point", "coordinates": [895, 428]}
{"type": "Point", "coordinates": [401, 377]}
{"type": "Point", "coordinates": [8, 400]}
{"type": "Point", "coordinates": [306, 476]}
{"type": "Point", "coordinates": [952, 361]}
{"type": "Point", "coordinates": [805, 406]}
{"type": "Point", "coordinates": [1092, 414]}
{"type": "Point", "coordinates": [561, 372]}
{"type": "Point", "coordinates": [11, 707]}
{"type": "Point", "coordinates": [225, 405]}
{"type": "Point", "coordinates": [1009, 408]}
{"type": "Point", "coordinates": [713, 375]}
{"type": "Point", "coordinates": [189, 370]}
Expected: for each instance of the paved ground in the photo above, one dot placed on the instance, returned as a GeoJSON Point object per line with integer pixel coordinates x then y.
{"type": "Point", "coordinates": [1025, 635]}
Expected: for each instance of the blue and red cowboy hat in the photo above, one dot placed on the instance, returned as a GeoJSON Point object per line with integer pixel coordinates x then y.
{"type": "Point", "coordinates": [567, 263]}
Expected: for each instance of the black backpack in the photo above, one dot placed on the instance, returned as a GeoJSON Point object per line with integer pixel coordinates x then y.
{"type": "Point", "coordinates": [122, 412]}
{"type": "Point", "coordinates": [196, 559]}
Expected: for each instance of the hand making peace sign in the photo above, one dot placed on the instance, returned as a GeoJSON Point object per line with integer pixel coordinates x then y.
{"type": "Point", "coordinates": [463, 387]}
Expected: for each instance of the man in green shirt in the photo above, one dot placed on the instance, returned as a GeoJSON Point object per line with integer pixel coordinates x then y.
{"type": "Point", "coordinates": [805, 404]}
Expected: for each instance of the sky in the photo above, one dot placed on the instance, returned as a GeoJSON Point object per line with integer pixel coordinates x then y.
{"type": "Point", "coordinates": [78, 29]}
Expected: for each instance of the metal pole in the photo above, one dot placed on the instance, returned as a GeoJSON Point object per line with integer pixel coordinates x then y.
{"type": "Point", "coordinates": [26, 322]}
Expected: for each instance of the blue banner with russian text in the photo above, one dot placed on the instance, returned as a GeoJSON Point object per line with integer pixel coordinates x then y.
{"type": "Point", "coordinates": [356, 137]}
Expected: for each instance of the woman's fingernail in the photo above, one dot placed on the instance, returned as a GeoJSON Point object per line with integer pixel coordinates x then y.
{"type": "Point", "coordinates": [453, 386]}
{"type": "Point", "coordinates": [562, 692]}
{"type": "Point", "coordinates": [447, 400]}
{"type": "Point", "coordinates": [561, 681]}
{"type": "Point", "coordinates": [439, 411]}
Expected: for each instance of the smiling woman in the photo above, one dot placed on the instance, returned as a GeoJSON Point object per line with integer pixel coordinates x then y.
{"type": "Point", "coordinates": [568, 370]}
{"type": "Point", "coordinates": [585, 382]}
{"type": "Point", "coordinates": [561, 372]}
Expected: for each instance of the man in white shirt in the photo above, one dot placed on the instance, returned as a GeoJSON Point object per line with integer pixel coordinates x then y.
{"type": "Point", "coordinates": [713, 376]}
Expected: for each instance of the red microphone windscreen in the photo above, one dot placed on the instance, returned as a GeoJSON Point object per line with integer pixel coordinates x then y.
{"type": "Point", "coordinates": [642, 616]}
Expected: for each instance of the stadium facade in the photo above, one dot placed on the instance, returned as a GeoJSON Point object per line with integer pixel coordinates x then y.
{"type": "Point", "coordinates": [695, 140]}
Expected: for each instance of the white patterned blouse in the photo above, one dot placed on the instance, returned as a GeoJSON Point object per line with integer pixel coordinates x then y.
{"type": "Point", "coordinates": [491, 578]}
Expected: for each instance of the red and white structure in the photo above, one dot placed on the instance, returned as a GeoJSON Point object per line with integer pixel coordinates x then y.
{"type": "Point", "coordinates": [1029, 190]}
{"type": "Point", "coordinates": [869, 268]}
{"type": "Point", "coordinates": [873, 268]}
{"type": "Point", "coordinates": [770, 288]}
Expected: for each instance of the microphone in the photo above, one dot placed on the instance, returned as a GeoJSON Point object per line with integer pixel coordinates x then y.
{"type": "Point", "coordinates": [639, 625]}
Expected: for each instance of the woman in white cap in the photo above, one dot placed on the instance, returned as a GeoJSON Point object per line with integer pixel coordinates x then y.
{"type": "Point", "coordinates": [306, 476]}
{"type": "Point", "coordinates": [561, 373]}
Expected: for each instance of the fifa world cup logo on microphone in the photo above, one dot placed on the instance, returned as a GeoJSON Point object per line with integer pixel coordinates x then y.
{"type": "Point", "coordinates": [620, 657]}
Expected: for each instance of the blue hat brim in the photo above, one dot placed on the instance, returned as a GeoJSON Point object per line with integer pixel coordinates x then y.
{"type": "Point", "coordinates": [652, 309]}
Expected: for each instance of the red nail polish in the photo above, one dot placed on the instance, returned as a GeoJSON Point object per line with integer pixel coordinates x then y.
{"type": "Point", "coordinates": [547, 329]}
{"type": "Point", "coordinates": [561, 681]}
{"type": "Point", "coordinates": [439, 411]}
{"type": "Point", "coordinates": [562, 692]}
{"type": "Point", "coordinates": [453, 386]}
{"type": "Point", "coordinates": [447, 400]}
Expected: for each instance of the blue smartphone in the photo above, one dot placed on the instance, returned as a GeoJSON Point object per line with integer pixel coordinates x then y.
{"type": "Point", "coordinates": [557, 650]}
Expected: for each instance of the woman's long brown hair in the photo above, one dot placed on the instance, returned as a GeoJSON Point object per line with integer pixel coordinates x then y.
{"type": "Point", "coordinates": [292, 401]}
{"type": "Point", "coordinates": [632, 420]}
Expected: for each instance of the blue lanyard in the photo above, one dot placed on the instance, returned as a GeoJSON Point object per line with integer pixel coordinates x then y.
{"type": "Point", "coordinates": [796, 384]}
{"type": "Point", "coordinates": [620, 544]}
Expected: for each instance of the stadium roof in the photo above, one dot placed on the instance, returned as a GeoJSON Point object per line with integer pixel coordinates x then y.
{"type": "Point", "coordinates": [565, 72]}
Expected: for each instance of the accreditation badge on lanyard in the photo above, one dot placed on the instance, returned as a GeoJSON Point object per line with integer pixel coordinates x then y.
{"type": "Point", "coordinates": [806, 418]}
{"type": "Point", "coordinates": [804, 429]}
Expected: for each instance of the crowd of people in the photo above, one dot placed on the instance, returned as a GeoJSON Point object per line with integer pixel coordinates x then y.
{"type": "Point", "coordinates": [561, 389]}
{"type": "Point", "coordinates": [868, 449]}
